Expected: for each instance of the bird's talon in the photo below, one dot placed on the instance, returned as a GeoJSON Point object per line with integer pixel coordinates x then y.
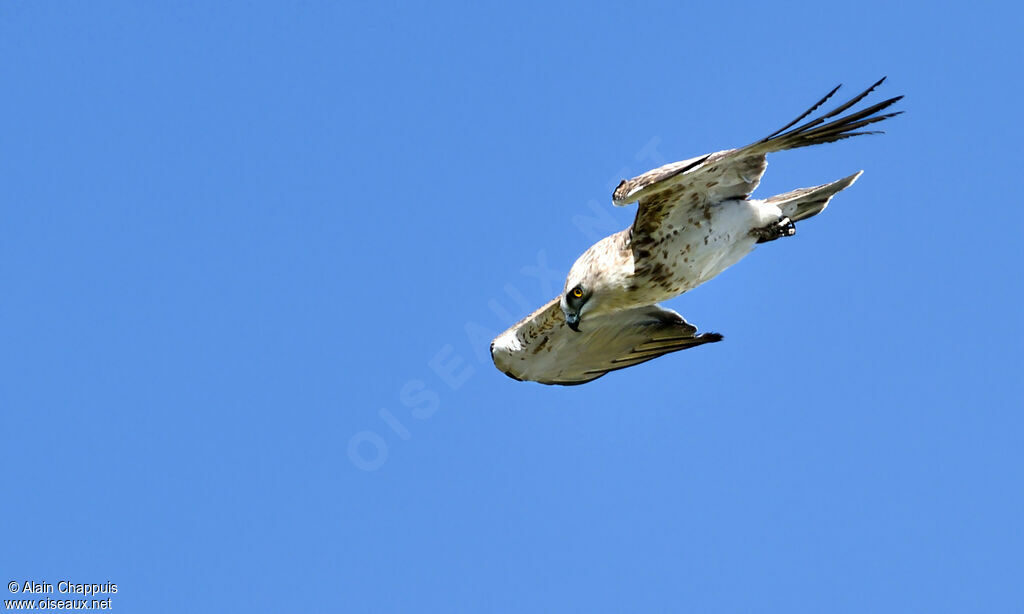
{"type": "Point", "coordinates": [782, 228]}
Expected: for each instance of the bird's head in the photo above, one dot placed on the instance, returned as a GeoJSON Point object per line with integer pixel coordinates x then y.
{"type": "Point", "coordinates": [597, 283]}
{"type": "Point", "coordinates": [582, 294]}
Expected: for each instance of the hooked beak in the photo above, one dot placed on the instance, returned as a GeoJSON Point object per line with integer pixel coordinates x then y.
{"type": "Point", "coordinates": [573, 320]}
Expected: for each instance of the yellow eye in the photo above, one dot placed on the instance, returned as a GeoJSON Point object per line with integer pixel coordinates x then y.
{"type": "Point", "coordinates": [577, 292]}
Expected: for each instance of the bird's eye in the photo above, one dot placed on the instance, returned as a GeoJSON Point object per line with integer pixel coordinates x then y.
{"type": "Point", "coordinates": [577, 292]}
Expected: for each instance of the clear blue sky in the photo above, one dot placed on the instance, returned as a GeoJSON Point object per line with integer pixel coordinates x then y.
{"type": "Point", "coordinates": [251, 256]}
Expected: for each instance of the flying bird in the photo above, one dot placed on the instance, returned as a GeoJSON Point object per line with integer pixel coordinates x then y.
{"type": "Point", "coordinates": [695, 218]}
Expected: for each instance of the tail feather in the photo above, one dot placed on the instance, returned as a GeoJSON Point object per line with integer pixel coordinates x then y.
{"type": "Point", "coordinates": [803, 203]}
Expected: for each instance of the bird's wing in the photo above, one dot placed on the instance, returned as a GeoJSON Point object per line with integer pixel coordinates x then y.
{"type": "Point", "coordinates": [542, 348]}
{"type": "Point", "coordinates": [680, 193]}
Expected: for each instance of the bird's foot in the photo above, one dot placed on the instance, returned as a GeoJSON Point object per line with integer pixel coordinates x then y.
{"type": "Point", "coordinates": [783, 228]}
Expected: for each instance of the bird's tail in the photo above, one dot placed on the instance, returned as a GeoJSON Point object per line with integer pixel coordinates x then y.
{"type": "Point", "coordinates": [803, 203]}
{"type": "Point", "coordinates": [817, 131]}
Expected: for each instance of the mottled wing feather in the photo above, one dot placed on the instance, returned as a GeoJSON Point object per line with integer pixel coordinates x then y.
{"type": "Point", "coordinates": [684, 199]}
{"type": "Point", "coordinates": [653, 181]}
{"type": "Point", "coordinates": [543, 349]}
{"type": "Point", "coordinates": [680, 193]}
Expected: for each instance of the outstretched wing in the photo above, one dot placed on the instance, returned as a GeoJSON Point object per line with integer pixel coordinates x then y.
{"type": "Point", "coordinates": [680, 193]}
{"type": "Point", "coordinates": [543, 349]}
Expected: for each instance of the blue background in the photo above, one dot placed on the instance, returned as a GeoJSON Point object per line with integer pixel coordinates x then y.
{"type": "Point", "coordinates": [231, 234]}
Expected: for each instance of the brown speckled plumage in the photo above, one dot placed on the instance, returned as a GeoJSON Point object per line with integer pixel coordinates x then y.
{"type": "Point", "coordinates": [694, 219]}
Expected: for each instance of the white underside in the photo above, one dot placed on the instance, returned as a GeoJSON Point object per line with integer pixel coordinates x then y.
{"type": "Point", "coordinates": [720, 242]}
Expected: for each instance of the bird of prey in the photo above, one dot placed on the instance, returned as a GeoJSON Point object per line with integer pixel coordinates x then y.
{"type": "Point", "coordinates": [695, 218]}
